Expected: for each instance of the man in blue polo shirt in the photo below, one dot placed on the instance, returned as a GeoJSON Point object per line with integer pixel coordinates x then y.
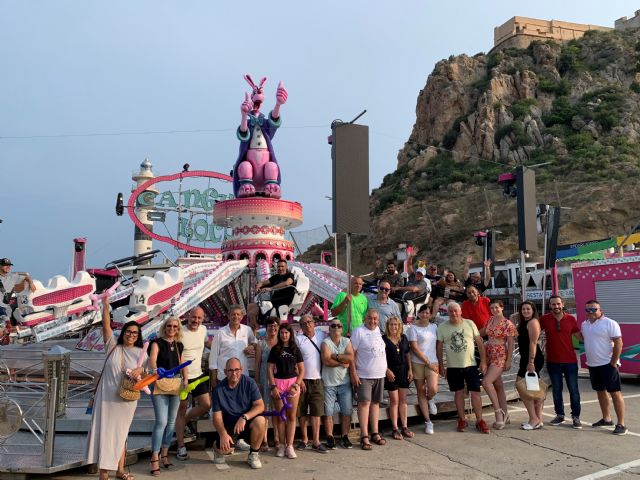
{"type": "Point", "coordinates": [237, 405]}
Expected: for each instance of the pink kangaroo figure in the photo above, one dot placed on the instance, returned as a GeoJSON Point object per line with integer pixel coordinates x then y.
{"type": "Point", "coordinates": [256, 170]}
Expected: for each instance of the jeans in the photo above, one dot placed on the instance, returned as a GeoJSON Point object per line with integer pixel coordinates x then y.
{"type": "Point", "coordinates": [570, 372]}
{"type": "Point", "coordinates": [341, 394]}
{"type": "Point", "coordinates": [165, 408]}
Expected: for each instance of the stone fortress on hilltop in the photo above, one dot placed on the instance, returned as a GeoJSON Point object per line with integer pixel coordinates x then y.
{"type": "Point", "coordinates": [519, 32]}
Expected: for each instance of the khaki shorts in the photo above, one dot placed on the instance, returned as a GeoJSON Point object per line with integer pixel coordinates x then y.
{"type": "Point", "coordinates": [421, 371]}
{"type": "Point", "coordinates": [312, 400]}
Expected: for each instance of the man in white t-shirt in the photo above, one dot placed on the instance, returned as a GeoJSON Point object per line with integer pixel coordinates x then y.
{"type": "Point", "coordinates": [603, 346]}
{"type": "Point", "coordinates": [234, 340]}
{"type": "Point", "coordinates": [194, 339]}
{"type": "Point", "coordinates": [311, 403]}
{"type": "Point", "coordinates": [367, 376]}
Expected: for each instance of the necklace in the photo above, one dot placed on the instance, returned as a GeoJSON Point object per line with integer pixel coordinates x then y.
{"type": "Point", "coordinates": [172, 345]}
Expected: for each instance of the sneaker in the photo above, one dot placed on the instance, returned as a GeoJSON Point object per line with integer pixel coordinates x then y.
{"type": "Point", "coordinates": [242, 446]}
{"type": "Point", "coordinates": [576, 423]}
{"type": "Point", "coordinates": [462, 424]}
{"type": "Point", "coordinates": [558, 420]}
{"type": "Point", "coordinates": [346, 443]}
{"type": "Point", "coordinates": [182, 454]}
{"type": "Point", "coordinates": [602, 423]}
{"type": "Point", "coordinates": [331, 443]}
{"type": "Point", "coordinates": [428, 427]}
{"type": "Point", "coordinates": [482, 427]}
{"type": "Point", "coordinates": [320, 448]}
{"type": "Point", "coordinates": [433, 408]}
{"type": "Point", "coordinates": [290, 452]}
{"type": "Point", "coordinates": [301, 445]}
{"type": "Point", "coordinates": [254, 460]}
{"type": "Point", "coordinates": [526, 426]}
{"type": "Point", "coordinates": [218, 458]}
{"type": "Point", "coordinates": [280, 451]}
{"type": "Point", "coordinates": [620, 430]}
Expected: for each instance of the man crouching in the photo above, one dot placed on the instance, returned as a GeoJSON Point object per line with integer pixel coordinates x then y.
{"type": "Point", "coordinates": [237, 406]}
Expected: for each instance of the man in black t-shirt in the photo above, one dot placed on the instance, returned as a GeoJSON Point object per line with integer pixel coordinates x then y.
{"type": "Point", "coordinates": [274, 291]}
{"type": "Point", "coordinates": [475, 279]}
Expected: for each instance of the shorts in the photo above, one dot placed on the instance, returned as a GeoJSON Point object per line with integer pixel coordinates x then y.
{"type": "Point", "coordinates": [370, 390]}
{"type": "Point", "coordinates": [341, 394]}
{"type": "Point", "coordinates": [401, 381]}
{"type": "Point", "coordinates": [284, 384]}
{"type": "Point", "coordinates": [422, 371]}
{"type": "Point", "coordinates": [201, 389]}
{"type": "Point", "coordinates": [605, 377]}
{"type": "Point", "coordinates": [229, 425]}
{"type": "Point", "coordinates": [312, 399]}
{"type": "Point", "coordinates": [457, 377]}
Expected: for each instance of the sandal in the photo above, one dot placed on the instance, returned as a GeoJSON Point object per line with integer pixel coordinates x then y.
{"type": "Point", "coordinates": [127, 476]}
{"type": "Point", "coordinates": [165, 461]}
{"type": "Point", "coordinates": [377, 439]}
{"type": "Point", "coordinates": [363, 445]}
{"type": "Point", "coordinates": [153, 471]}
{"type": "Point", "coordinates": [406, 432]}
{"type": "Point", "coordinates": [396, 435]}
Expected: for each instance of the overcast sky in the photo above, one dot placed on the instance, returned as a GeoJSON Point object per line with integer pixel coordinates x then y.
{"type": "Point", "coordinates": [82, 81]}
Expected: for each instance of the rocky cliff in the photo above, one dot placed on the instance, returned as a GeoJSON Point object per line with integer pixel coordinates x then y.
{"type": "Point", "coordinates": [571, 106]}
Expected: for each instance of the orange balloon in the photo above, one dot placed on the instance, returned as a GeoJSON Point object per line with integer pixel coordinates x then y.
{"type": "Point", "coordinates": [146, 381]}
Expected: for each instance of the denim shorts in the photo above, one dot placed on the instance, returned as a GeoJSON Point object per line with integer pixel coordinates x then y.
{"type": "Point", "coordinates": [342, 395]}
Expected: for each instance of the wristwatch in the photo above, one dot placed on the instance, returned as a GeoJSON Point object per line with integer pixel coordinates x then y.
{"type": "Point", "coordinates": [244, 417]}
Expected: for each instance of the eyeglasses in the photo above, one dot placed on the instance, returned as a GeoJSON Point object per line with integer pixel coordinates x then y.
{"type": "Point", "coordinates": [131, 332]}
{"type": "Point", "coordinates": [234, 370]}
{"type": "Point", "coordinates": [591, 310]}
{"type": "Point", "coordinates": [306, 323]}
{"type": "Point", "coordinates": [384, 289]}
{"type": "Point", "coordinates": [172, 326]}
{"type": "Point", "coordinates": [272, 325]}
{"type": "Point", "coordinates": [335, 325]}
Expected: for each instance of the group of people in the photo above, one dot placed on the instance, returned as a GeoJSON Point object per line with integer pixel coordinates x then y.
{"type": "Point", "coordinates": [306, 378]}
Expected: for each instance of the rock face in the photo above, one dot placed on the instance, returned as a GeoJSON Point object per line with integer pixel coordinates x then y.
{"type": "Point", "coordinates": [574, 106]}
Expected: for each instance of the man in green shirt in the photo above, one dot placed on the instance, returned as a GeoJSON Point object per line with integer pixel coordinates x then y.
{"type": "Point", "coordinates": [459, 336]}
{"type": "Point", "coordinates": [357, 301]}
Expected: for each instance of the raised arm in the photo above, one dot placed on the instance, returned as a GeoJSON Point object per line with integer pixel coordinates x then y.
{"type": "Point", "coordinates": [107, 332]}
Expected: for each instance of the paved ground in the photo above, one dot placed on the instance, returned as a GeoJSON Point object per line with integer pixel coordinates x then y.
{"type": "Point", "coordinates": [551, 453]}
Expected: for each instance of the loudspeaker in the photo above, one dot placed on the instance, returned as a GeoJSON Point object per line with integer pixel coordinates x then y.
{"type": "Point", "coordinates": [526, 198]}
{"type": "Point", "coordinates": [553, 226]}
{"type": "Point", "coordinates": [350, 158]}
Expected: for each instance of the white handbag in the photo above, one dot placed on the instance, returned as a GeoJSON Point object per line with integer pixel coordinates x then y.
{"type": "Point", "coordinates": [532, 382]}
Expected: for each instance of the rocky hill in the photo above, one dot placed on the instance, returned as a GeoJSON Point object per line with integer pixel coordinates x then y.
{"type": "Point", "coordinates": [575, 105]}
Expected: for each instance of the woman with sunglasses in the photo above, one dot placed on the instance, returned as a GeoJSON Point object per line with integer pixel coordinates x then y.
{"type": "Point", "coordinates": [398, 376]}
{"type": "Point", "coordinates": [531, 357]}
{"type": "Point", "coordinates": [448, 288]}
{"type": "Point", "coordinates": [499, 348]}
{"type": "Point", "coordinates": [263, 349]}
{"type": "Point", "coordinates": [165, 352]}
{"type": "Point", "coordinates": [112, 416]}
{"type": "Point", "coordinates": [422, 337]}
{"type": "Point", "coordinates": [285, 368]}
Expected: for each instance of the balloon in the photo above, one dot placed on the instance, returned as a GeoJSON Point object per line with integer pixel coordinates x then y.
{"type": "Point", "coordinates": [283, 411]}
{"type": "Point", "coordinates": [96, 298]}
{"type": "Point", "coordinates": [184, 393]}
{"type": "Point", "coordinates": [161, 373]}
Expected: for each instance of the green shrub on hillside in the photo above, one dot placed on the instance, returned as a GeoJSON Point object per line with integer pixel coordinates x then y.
{"type": "Point", "coordinates": [521, 108]}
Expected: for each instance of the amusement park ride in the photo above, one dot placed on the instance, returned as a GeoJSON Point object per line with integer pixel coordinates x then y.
{"type": "Point", "coordinates": [222, 261]}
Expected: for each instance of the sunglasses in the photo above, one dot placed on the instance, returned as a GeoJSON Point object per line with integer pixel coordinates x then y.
{"type": "Point", "coordinates": [306, 323]}
{"type": "Point", "coordinates": [335, 325]}
{"type": "Point", "coordinates": [558, 326]}
{"type": "Point", "coordinates": [384, 289]}
{"type": "Point", "coordinates": [591, 310]}
{"type": "Point", "coordinates": [172, 326]}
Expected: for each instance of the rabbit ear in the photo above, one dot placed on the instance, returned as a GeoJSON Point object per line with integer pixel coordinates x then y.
{"type": "Point", "coordinates": [249, 80]}
{"type": "Point", "coordinates": [262, 81]}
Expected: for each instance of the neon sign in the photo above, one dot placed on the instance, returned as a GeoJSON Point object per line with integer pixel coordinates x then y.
{"type": "Point", "coordinates": [186, 204]}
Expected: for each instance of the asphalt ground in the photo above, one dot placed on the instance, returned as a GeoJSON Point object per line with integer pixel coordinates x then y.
{"type": "Point", "coordinates": [559, 452]}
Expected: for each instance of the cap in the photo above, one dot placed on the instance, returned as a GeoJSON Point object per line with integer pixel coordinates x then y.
{"type": "Point", "coordinates": [5, 262]}
{"type": "Point", "coordinates": [422, 271]}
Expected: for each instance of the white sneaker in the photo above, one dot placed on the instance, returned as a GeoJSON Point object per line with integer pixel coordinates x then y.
{"type": "Point", "coordinates": [242, 445]}
{"type": "Point", "coordinates": [254, 460]}
{"type": "Point", "coordinates": [182, 454]}
{"type": "Point", "coordinates": [218, 458]}
{"type": "Point", "coordinates": [291, 453]}
{"type": "Point", "coordinates": [280, 452]}
{"type": "Point", "coordinates": [433, 408]}
{"type": "Point", "coordinates": [428, 428]}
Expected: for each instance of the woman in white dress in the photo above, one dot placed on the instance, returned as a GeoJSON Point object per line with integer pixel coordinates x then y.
{"type": "Point", "coordinates": [112, 415]}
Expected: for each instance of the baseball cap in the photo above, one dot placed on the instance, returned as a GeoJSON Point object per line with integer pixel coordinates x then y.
{"type": "Point", "coordinates": [422, 271]}
{"type": "Point", "coordinates": [5, 262]}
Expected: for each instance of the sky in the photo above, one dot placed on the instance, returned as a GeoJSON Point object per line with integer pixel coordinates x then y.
{"type": "Point", "coordinates": [89, 89]}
